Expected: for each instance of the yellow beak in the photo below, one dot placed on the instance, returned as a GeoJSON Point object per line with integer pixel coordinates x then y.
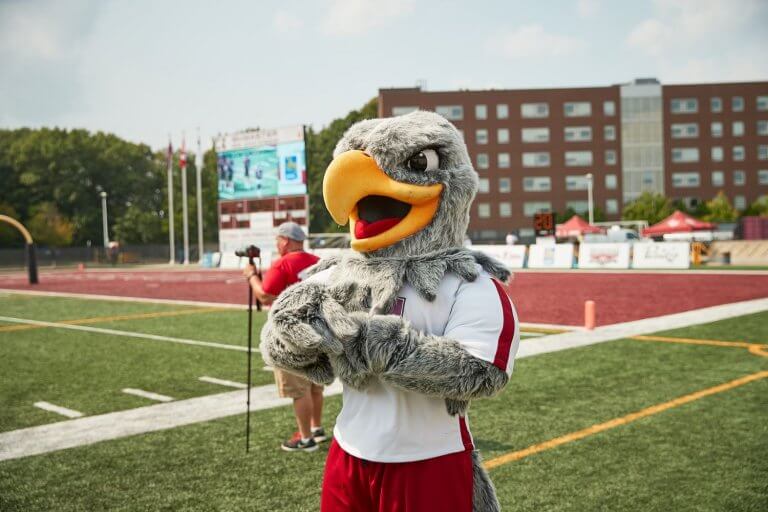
{"type": "Point", "coordinates": [354, 175]}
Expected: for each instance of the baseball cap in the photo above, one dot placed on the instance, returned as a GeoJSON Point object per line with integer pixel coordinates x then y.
{"type": "Point", "coordinates": [291, 230]}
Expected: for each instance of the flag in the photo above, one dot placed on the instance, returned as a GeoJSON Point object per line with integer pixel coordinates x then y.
{"type": "Point", "coordinates": [183, 156]}
{"type": "Point", "coordinates": [169, 156]}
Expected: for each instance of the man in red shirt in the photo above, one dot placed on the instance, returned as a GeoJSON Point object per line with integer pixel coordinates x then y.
{"type": "Point", "coordinates": [307, 397]}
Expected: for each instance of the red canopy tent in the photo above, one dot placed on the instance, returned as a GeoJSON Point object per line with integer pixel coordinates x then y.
{"type": "Point", "coordinates": [575, 226]}
{"type": "Point", "coordinates": [678, 222]}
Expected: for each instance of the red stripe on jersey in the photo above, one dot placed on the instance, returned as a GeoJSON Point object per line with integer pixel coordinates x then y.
{"type": "Point", "coordinates": [466, 437]}
{"type": "Point", "coordinates": [507, 329]}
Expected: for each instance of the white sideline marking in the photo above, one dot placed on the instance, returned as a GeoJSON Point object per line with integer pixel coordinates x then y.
{"type": "Point", "coordinates": [93, 429]}
{"type": "Point", "coordinates": [148, 394]}
{"type": "Point", "coordinates": [130, 334]}
{"type": "Point", "coordinates": [69, 413]}
{"type": "Point", "coordinates": [223, 382]}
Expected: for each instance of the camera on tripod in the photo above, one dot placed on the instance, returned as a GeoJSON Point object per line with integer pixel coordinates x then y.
{"type": "Point", "coordinates": [249, 252]}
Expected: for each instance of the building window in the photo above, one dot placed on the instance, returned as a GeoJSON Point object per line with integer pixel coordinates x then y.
{"type": "Point", "coordinates": [685, 130]}
{"type": "Point", "coordinates": [505, 185]}
{"type": "Point", "coordinates": [535, 134]}
{"type": "Point", "coordinates": [481, 111]}
{"type": "Point", "coordinates": [502, 111]}
{"type": "Point", "coordinates": [610, 157]}
{"type": "Point", "coordinates": [537, 184]}
{"type": "Point", "coordinates": [716, 104]}
{"type": "Point", "coordinates": [609, 108]}
{"type": "Point", "coordinates": [451, 112]}
{"type": "Point", "coordinates": [739, 178]}
{"type": "Point", "coordinates": [481, 136]}
{"type": "Point", "coordinates": [540, 159]}
{"type": "Point", "coordinates": [762, 103]}
{"type": "Point", "coordinates": [483, 210]}
{"type": "Point", "coordinates": [577, 109]}
{"type": "Point", "coordinates": [762, 127]}
{"type": "Point", "coordinates": [738, 153]}
{"type": "Point", "coordinates": [578, 158]}
{"type": "Point", "coordinates": [737, 128]}
{"type": "Point", "coordinates": [482, 160]}
{"type": "Point", "coordinates": [401, 111]}
{"type": "Point", "coordinates": [762, 177]}
{"type": "Point", "coordinates": [684, 105]}
{"type": "Point", "coordinates": [739, 202]}
{"type": "Point", "coordinates": [685, 179]}
{"type": "Point", "coordinates": [531, 208]}
{"type": "Point", "coordinates": [502, 135]}
{"type": "Point", "coordinates": [737, 103]}
{"type": "Point", "coordinates": [685, 155]}
{"type": "Point", "coordinates": [578, 133]}
{"type": "Point", "coordinates": [611, 206]}
{"type": "Point", "coordinates": [609, 132]}
{"type": "Point", "coordinates": [718, 178]}
{"type": "Point", "coordinates": [717, 154]}
{"type": "Point", "coordinates": [503, 161]}
{"type": "Point", "coordinates": [505, 209]}
{"type": "Point", "coordinates": [483, 186]}
{"type": "Point", "coordinates": [576, 182]}
{"type": "Point", "coordinates": [534, 110]}
{"type": "Point", "coordinates": [579, 206]}
{"type": "Point", "coordinates": [762, 152]}
{"type": "Point", "coordinates": [716, 129]}
{"type": "Point", "coordinates": [611, 182]}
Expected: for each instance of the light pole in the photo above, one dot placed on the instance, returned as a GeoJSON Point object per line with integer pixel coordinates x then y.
{"type": "Point", "coordinates": [185, 221]}
{"type": "Point", "coordinates": [590, 206]}
{"type": "Point", "coordinates": [104, 218]}
{"type": "Point", "coordinates": [199, 170]}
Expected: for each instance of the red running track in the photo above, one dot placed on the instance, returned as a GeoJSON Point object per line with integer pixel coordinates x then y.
{"type": "Point", "coordinates": [540, 297]}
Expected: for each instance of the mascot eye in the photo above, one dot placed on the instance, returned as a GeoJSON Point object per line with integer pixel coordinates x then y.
{"type": "Point", "coordinates": [425, 160]}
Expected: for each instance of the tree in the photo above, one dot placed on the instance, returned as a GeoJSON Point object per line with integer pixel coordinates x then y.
{"type": "Point", "coordinates": [719, 209]}
{"type": "Point", "coordinates": [650, 207]}
{"type": "Point", "coordinates": [758, 209]}
{"type": "Point", "coordinates": [597, 214]}
{"type": "Point", "coordinates": [9, 235]}
{"type": "Point", "coordinates": [48, 227]}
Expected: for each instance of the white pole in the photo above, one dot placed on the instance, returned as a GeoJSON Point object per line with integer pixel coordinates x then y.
{"type": "Point", "coordinates": [199, 169]}
{"type": "Point", "coordinates": [171, 243]}
{"type": "Point", "coordinates": [104, 218]}
{"type": "Point", "coordinates": [589, 199]}
{"type": "Point", "coordinates": [185, 220]}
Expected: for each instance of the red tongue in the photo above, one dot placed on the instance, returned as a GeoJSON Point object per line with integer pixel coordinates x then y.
{"type": "Point", "coordinates": [365, 229]}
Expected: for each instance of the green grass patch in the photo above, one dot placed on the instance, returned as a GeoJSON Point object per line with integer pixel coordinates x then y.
{"type": "Point", "coordinates": [749, 328]}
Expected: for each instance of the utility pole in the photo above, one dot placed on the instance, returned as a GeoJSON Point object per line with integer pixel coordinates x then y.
{"type": "Point", "coordinates": [104, 218]}
{"type": "Point", "coordinates": [199, 169]}
{"type": "Point", "coordinates": [185, 220]}
{"type": "Point", "coordinates": [590, 206]}
{"type": "Point", "coordinates": [171, 243]}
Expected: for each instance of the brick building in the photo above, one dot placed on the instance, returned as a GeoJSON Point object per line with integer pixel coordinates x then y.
{"type": "Point", "coordinates": [533, 148]}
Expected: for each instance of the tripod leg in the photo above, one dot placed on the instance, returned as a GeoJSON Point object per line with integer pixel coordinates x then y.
{"type": "Point", "coordinates": [248, 388]}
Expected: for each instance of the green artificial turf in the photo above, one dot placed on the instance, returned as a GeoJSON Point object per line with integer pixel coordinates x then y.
{"type": "Point", "coordinates": [710, 454]}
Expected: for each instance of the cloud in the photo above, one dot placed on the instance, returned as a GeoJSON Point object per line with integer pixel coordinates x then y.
{"type": "Point", "coordinates": [286, 23]}
{"type": "Point", "coordinates": [534, 41]}
{"type": "Point", "coordinates": [355, 17]}
{"type": "Point", "coordinates": [587, 8]}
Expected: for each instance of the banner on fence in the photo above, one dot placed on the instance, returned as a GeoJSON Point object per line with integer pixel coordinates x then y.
{"type": "Point", "coordinates": [550, 256]}
{"type": "Point", "coordinates": [604, 255]}
{"type": "Point", "coordinates": [661, 255]}
{"type": "Point", "coordinates": [513, 256]}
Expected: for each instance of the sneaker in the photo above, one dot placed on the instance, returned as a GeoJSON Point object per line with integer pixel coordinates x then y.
{"type": "Point", "coordinates": [295, 444]}
{"type": "Point", "coordinates": [318, 435]}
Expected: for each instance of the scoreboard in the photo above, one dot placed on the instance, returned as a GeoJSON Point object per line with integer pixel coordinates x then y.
{"type": "Point", "coordinates": [544, 224]}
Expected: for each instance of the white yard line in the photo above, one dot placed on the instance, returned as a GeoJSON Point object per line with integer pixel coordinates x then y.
{"type": "Point", "coordinates": [129, 334]}
{"type": "Point", "coordinates": [223, 382]}
{"type": "Point", "coordinates": [47, 406]}
{"type": "Point", "coordinates": [88, 430]}
{"type": "Point", "coordinates": [116, 298]}
{"type": "Point", "coordinates": [147, 394]}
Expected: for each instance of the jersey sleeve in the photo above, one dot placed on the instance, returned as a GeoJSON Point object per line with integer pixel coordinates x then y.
{"type": "Point", "coordinates": [484, 321]}
{"type": "Point", "coordinates": [275, 280]}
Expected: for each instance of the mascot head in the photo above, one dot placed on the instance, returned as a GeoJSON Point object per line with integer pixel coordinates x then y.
{"type": "Point", "coordinates": [405, 185]}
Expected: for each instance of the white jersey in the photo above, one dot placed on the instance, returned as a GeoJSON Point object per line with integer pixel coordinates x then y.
{"type": "Point", "coordinates": [384, 423]}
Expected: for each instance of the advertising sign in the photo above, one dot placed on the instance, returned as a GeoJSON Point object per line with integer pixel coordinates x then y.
{"type": "Point", "coordinates": [262, 163]}
{"type": "Point", "coordinates": [513, 256]}
{"type": "Point", "coordinates": [661, 255]}
{"type": "Point", "coordinates": [604, 255]}
{"type": "Point", "coordinates": [550, 256]}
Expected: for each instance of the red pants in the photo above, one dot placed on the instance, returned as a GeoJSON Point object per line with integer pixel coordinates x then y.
{"type": "Point", "coordinates": [356, 485]}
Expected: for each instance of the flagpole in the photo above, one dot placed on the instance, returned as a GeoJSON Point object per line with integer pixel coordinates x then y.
{"type": "Point", "coordinates": [170, 202]}
{"type": "Point", "coordinates": [199, 169]}
{"type": "Point", "coordinates": [185, 220]}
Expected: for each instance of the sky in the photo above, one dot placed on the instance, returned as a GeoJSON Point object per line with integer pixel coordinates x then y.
{"type": "Point", "coordinates": [145, 69]}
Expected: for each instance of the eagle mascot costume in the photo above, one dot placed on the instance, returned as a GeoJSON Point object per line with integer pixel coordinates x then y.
{"type": "Point", "coordinates": [414, 324]}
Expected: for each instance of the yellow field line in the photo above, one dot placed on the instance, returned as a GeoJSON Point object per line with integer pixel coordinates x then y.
{"type": "Point", "coordinates": [629, 418]}
{"type": "Point", "coordinates": [542, 330]}
{"type": "Point", "coordinates": [697, 341]}
{"type": "Point", "coordinates": [102, 319]}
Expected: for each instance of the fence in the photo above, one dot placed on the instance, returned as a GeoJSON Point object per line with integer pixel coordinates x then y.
{"type": "Point", "coordinates": [139, 254]}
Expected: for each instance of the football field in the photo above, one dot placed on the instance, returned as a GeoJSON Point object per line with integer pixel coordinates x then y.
{"type": "Point", "coordinates": [139, 406]}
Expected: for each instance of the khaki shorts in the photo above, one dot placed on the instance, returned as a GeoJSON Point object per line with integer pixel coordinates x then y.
{"type": "Point", "coordinates": [290, 385]}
